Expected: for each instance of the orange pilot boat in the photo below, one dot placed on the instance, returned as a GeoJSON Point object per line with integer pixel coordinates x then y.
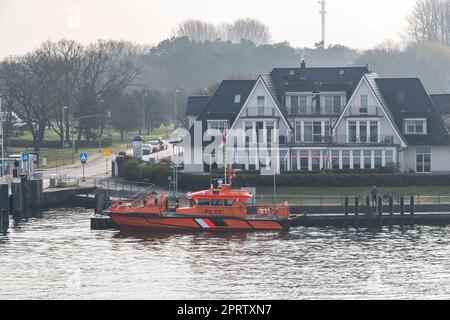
{"type": "Point", "coordinates": [214, 209]}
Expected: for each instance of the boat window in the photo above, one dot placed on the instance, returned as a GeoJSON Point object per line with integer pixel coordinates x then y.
{"type": "Point", "coordinates": [228, 203]}
{"type": "Point", "coordinates": [217, 203]}
{"type": "Point", "coordinates": [203, 202]}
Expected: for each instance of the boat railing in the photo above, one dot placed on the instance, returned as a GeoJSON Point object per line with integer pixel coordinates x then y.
{"type": "Point", "coordinates": [144, 193]}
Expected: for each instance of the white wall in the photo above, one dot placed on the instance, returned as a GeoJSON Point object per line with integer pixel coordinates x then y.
{"type": "Point", "coordinates": [260, 90]}
{"type": "Point", "coordinates": [385, 126]}
{"type": "Point", "coordinates": [440, 159]}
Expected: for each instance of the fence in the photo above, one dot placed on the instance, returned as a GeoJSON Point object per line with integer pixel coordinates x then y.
{"type": "Point", "coordinates": [322, 200]}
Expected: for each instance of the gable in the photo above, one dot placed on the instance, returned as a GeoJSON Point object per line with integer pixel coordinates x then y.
{"type": "Point", "coordinates": [271, 107]}
{"type": "Point", "coordinates": [376, 111]}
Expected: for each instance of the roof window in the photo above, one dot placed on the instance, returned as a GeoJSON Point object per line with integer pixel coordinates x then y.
{"type": "Point", "coordinates": [237, 98]}
{"type": "Point", "coordinates": [401, 96]}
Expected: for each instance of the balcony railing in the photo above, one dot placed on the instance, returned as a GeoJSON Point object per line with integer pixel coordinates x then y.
{"type": "Point", "coordinates": [314, 139]}
{"type": "Point", "coordinates": [259, 112]}
{"type": "Point", "coordinates": [364, 111]}
{"type": "Point", "coordinates": [297, 111]}
{"type": "Point", "coordinates": [372, 139]}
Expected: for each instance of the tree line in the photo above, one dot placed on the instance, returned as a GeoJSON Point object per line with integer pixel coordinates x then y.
{"type": "Point", "coordinates": [114, 84]}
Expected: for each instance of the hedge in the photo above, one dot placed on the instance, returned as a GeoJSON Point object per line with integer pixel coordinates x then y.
{"type": "Point", "coordinates": [189, 181]}
{"type": "Point", "coordinates": [53, 144]}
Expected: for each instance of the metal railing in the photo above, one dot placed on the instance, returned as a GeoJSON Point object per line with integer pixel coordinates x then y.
{"type": "Point", "coordinates": [324, 200]}
{"type": "Point", "coordinates": [365, 139]}
{"type": "Point", "coordinates": [363, 111]}
{"type": "Point", "coordinates": [259, 112]}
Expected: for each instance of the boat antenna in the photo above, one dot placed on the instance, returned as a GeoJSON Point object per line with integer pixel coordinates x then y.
{"type": "Point", "coordinates": [224, 141]}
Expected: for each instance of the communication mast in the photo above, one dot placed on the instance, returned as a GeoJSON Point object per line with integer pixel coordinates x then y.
{"type": "Point", "coordinates": [323, 13]}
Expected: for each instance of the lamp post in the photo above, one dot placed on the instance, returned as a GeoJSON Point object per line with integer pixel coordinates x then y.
{"type": "Point", "coordinates": [100, 129]}
{"type": "Point", "coordinates": [176, 108]}
{"type": "Point", "coordinates": [143, 112]}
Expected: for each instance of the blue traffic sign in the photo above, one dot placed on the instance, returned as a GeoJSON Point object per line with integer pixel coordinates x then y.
{"type": "Point", "coordinates": [25, 156]}
{"type": "Point", "coordinates": [83, 157]}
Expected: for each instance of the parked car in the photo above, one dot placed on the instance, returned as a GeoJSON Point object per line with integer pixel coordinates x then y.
{"type": "Point", "coordinates": [162, 144]}
{"type": "Point", "coordinates": [155, 146]}
{"type": "Point", "coordinates": [147, 149]}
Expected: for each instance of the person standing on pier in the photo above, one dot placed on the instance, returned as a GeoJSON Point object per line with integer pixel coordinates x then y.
{"type": "Point", "coordinates": [374, 193]}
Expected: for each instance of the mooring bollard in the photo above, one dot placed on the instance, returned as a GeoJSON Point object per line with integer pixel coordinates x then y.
{"type": "Point", "coordinates": [402, 211]}
{"type": "Point", "coordinates": [356, 211]}
{"type": "Point", "coordinates": [411, 209]}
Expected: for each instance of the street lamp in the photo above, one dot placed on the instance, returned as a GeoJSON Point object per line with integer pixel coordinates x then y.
{"type": "Point", "coordinates": [176, 108]}
{"type": "Point", "coordinates": [100, 128]}
{"type": "Point", "coordinates": [143, 112]}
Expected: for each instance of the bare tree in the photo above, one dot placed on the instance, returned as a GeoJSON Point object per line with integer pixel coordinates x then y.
{"type": "Point", "coordinates": [430, 21]}
{"type": "Point", "coordinates": [246, 29]}
{"type": "Point", "coordinates": [197, 30]}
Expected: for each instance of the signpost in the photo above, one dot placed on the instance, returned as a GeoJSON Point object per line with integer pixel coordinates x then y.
{"type": "Point", "coordinates": [25, 157]}
{"type": "Point", "coordinates": [106, 153]}
{"type": "Point", "coordinates": [83, 159]}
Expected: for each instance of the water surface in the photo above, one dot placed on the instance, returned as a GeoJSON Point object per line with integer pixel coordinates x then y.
{"type": "Point", "coordinates": [56, 255]}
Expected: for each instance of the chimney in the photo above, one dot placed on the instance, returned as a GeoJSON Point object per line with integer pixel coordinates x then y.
{"type": "Point", "coordinates": [303, 74]}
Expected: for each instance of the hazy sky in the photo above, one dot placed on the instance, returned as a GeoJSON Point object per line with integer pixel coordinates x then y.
{"type": "Point", "coordinates": [24, 24]}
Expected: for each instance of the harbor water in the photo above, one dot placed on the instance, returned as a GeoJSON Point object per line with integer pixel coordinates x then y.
{"type": "Point", "coordinates": [55, 255]}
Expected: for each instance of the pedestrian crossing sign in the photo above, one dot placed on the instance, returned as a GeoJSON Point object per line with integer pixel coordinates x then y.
{"type": "Point", "coordinates": [25, 156]}
{"type": "Point", "coordinates": [83, 157]}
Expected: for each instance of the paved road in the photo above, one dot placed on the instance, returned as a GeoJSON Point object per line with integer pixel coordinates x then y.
{"type": "Point", "coordinates": [97, 166]}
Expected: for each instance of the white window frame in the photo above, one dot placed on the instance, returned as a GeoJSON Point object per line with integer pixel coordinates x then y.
{"type": "Point", "coordinates": [424, 122]}
{"type": "Point", "coordinates": [260, 108]}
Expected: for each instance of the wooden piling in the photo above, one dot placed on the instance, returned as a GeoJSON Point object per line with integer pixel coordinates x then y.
{"type": "Point", "coordinates": [402, 211]}
{"type": "Point", "coordinates": [380, 211]}
{"type": "Point", "coordinates": [346, 211]}
{"type": "Point", "coordinates": [356, 211]}
{"type": "Point", "coordinates": [4, 207]}
{"type": "Point", "coordinates": [391, 210]}
{"type": "Point", "coordinates": [368, 211]}
{"type": "Point", "coordinates": [412, 209]}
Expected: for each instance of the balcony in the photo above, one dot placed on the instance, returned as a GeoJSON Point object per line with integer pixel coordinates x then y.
{"type": "Point", "coordinates": [297, 112]}
{"type": "Point", "coordinates": [356, 111]}
{"type": "Point", "coordinates": [381, 140]}
{"type": "Point", "coordinates": [259, 112]}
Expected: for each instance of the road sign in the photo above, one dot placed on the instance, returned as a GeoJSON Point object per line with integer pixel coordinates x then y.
{"type": "Point", "coordinates": [25, 156]}
{"type": "Point", "coordinates": [83, 157]}
{"type": "Point", "coordinates": [106, 152]}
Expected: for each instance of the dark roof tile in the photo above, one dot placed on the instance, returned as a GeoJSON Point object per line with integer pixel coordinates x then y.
{"type": "Point", "coordinates": [415, 103]}
{"type": "Point", "coordinates": [195, 105]}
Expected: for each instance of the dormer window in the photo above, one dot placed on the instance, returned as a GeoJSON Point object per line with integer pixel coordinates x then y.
{"type": "Point", "coordinates": [237, 98]}
{"type": "Point", "coordinates": [415, 126]}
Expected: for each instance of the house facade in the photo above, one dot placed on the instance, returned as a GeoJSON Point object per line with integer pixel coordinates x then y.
{"type": "Point", "coordinates": [310, 119]}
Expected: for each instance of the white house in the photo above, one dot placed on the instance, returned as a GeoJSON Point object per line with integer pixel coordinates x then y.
{"type": "Point", "coordinates": [309, 119]}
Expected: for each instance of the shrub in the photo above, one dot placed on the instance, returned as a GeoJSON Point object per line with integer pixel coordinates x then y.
{"type": "Point", "coordinates": [133, 170]}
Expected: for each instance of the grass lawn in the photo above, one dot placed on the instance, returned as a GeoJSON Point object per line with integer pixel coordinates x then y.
{"type": "Point", "coordinates": [352, 191]}
{"type": "Point", "coordinates": [335, 195]}
{"type": "Point", "coordinates": [56, 157]}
